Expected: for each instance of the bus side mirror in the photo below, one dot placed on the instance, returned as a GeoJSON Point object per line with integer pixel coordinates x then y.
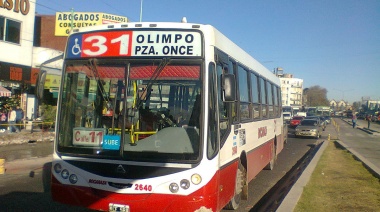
{"type": "Point", "coordinates": [40, 84]}
{"type": "Point", "coordinates": [229, 88]}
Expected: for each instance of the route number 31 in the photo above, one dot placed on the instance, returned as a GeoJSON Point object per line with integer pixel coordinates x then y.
{"type": "Point", "coordinates": [107, 44]}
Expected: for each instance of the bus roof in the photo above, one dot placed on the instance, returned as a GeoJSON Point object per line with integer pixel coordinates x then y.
{"type": "Point", "coordinates": [217, 39]}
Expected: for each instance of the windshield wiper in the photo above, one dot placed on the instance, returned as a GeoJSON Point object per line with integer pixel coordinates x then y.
{"type": "Point", "coordinates": [94, 69]}
{"type": "Point", "coordinates": [134, 109]}
{"type": "Point", "coordinates": [153, 79]}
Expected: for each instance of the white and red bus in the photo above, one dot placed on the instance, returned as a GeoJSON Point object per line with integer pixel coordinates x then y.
{"type": "Point", "coordinates": [162, 117]}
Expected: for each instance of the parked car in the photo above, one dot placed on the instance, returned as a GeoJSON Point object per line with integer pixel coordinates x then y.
{"type": "Point", "coordinates": [361, 115]}
{"type": "Point", "coordinates": [287, 116]}
{"type": "Point", "coordinates": [374, 118]}
{"type": "Point", "coordinates": [349, 113]}
{"type": "Point", "coordinates": [295, 121]}
{"type": "Point", "coordinates": [309, 128]}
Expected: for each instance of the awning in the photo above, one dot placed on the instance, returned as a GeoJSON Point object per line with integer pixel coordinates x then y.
{"type": "Point", "coordinates": [4, 91]}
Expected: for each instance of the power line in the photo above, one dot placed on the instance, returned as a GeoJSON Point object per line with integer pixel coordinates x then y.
{"type": "Point", "coordinates": [46, 7]}
{"type": "Point", "coordinates": [113, 7]}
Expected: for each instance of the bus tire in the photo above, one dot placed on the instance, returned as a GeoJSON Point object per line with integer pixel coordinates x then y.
{"type": "Point", "coordinates": [239, 184]}
{"type": "Point", "coordinates": [271, 163]}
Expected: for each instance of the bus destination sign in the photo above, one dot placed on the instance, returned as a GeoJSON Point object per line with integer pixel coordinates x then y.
{"type": "Point", "coordinates": [134, 43]}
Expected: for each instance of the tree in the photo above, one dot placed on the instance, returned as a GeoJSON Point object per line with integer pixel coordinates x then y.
{"type": "Point", "coordinates": [316, 96]}
{"type": "Point", "coordinates": [48, 115]}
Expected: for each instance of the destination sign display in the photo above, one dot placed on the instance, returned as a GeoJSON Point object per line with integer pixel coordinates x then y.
{"type": "Point", "coordinates": [135, 43]}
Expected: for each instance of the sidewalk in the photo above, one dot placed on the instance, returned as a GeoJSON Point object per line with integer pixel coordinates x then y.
{"type": "Point", "coordinates": [367, 149]}
{"type": "Point", "coordinates": [341, 131]}
{"type": "Point", "coordinates": [25, 136]}
{"type": "Point", "coordinates": [373, 129]}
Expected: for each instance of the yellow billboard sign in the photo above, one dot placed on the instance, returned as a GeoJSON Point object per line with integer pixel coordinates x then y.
{"type": "Point", "coordinates": [52, 81]}
{"type": "Point", "coordinates": [66, 21]}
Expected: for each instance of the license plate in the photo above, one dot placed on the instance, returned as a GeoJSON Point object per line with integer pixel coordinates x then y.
{"type": "Point", "coordinates": [117, 207]}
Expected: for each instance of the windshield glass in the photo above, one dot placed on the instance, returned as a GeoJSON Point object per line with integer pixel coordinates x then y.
{"type": "Point", "coordinates": [308, 122]}
{"type": "Point", "coordinates": [143, 111]}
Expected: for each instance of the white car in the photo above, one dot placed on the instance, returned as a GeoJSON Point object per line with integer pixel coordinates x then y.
{"type": "Point", "coordinates": [303, 114]}
{"type": "Point", "coordinates": [287, 116]}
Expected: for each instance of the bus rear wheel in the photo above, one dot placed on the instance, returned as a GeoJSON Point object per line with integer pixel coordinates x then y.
{"type": "Point", "coordinates": [239, 184]}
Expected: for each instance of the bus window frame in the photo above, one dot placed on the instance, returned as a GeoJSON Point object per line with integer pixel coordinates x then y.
{"type": "Point", "coordinates": [263, 98]}
{"type": "Point", "coordinates": [270, 100]}
{"type": "Point", "coordinates": [243, 70]}
{"type": "Point", "coordinates": [256, 91]}
{"type": "Point", "coordinates": [213, 110]}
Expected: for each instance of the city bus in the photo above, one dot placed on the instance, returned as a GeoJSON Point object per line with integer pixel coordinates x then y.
{"type": "Point", "coordinates": [162, 117]}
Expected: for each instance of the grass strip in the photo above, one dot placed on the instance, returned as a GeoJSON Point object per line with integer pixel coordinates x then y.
{"type": "Point", "coordinates": [340, 183]}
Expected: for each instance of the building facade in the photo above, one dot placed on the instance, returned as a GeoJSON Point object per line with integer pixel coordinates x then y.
{"type": "Point", "coordinates": [16, 44]}
{"type": "Point", "coordinates": [339, 105]}
{"type": "Point", "coordinates": [291, 89]}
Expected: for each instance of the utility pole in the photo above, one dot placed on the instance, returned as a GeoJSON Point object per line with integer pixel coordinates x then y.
{"type": "Point", "coordinates": [72, 18]}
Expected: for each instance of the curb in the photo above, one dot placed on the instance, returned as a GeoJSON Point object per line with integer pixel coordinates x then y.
{"type": "Point", "coordinates": [364, 129]}
{"type": "Point", "coordinates": [2, 169]}
{"type": "Point", "coordinates": [369, 131]}
{"type": "Point", "coordinates": [369, 165]}
{"type": "Point", "coordinates": [291, 199]}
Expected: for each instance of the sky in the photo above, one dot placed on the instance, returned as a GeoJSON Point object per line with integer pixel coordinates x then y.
{"type": "Point", "coordinates": [334, 44]}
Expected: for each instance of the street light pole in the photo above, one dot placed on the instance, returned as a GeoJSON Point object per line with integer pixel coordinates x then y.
{"type": "Point", "coordinates": [141, 9]}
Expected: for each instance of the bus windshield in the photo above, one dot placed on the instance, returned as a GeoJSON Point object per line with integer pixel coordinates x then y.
{"type": "Point", "coordinates": [137, 110]}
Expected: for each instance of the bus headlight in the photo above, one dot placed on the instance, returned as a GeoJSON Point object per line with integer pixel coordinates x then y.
{"type": "Point", "coordinates": [173, 187]}
{"type": "Point", "coordinates": [73, 179]}
{"type": "Point", "coordinates": [196, 179]}
{"type": "Point", "coordinates": [57, 168]}
{"type": "Point", "coordinates": [185, 184]}
{"type": "Point", "coordinates": [65, 174]}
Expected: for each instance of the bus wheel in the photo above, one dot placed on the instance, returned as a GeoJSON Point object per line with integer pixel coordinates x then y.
{"type": "Point", "coordinates": [271, 163]}
{"type": "Point", "coordinates": [239, 184]}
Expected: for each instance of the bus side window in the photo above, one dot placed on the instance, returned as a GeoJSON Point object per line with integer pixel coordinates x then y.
{"type": "Point", "coordinates": [223, 106]}
{"type": "Point", "coordinates": [235, 105]}
{"type": "Point", "coordinates": [255, 96]}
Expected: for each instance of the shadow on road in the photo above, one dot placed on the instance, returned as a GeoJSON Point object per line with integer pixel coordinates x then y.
{"type": "Point", "coordinates": [31, 192]}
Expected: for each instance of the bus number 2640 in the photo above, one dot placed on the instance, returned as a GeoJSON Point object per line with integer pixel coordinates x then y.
{"type": "Point", "coordinates": [141, 187]}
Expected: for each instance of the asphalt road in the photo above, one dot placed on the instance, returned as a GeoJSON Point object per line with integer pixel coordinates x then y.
{"type": "Point", "coordinates": [26, 151]}
{"type": "Point", "coordinates": [293, 151]}
{"type": "Point", "coordinates": [29, 190]}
